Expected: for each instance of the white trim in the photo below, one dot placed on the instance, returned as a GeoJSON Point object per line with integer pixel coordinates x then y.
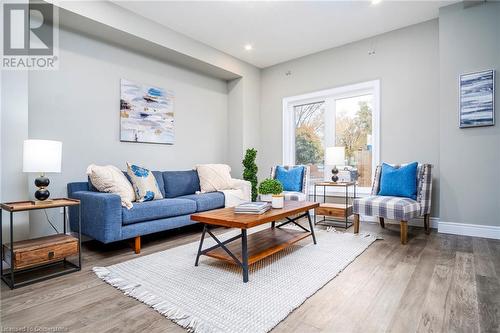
{"type": "Point", "coordinates": [464, 229]}
{"type": "Point", "coordinates": [368, 87]}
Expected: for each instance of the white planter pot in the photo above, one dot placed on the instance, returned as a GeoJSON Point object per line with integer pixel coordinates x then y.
{"type": "Point", "coordinates": [266, 197]}
{"type": "Point", "coordinates": [278, 201]}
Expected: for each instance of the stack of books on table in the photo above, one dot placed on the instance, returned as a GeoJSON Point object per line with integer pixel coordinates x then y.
{"type": "Point", "coordinates": [257, 207]}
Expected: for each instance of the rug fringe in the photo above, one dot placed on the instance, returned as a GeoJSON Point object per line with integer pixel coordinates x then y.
{"type": "Point", "coordinates": [163, 307]}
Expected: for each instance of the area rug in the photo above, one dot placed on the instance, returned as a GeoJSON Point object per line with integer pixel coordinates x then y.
{"type": "Point", "coordinates": [213, 298]}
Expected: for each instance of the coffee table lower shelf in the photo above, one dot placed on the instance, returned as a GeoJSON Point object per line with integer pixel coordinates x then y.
{"type": "Point", "coordinates": [261, 244]}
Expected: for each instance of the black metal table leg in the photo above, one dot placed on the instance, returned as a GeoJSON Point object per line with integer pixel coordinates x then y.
{"type": "Point", "coordinates": [64, 220]}
{"type": "Point", "coordinates": [1, 244]}
{"type": "Point", "coordinates": [201, 244]}
{"type": "Point", "coordinates": [244, 254]}
{"type": "Point", "coordinates": [311, 225]}
{"type": "Point", "coordinates": [314, 201]}
{"type": "Point", "coordinates": [12, 250]}
{"type": "Point", "coordinates": [273, 224]}
{"type": "Point", "coordinates": [79, 237]}
{"type": "Point", "coordinates": [346, 204]}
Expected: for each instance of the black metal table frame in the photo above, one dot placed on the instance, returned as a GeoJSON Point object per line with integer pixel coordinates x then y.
{"type": "Point", "coordinates": [244, 245]}
{"type": "Point", "coordinates": [331, 221]}
{"type": "Point", "coordinates": [9, 278]}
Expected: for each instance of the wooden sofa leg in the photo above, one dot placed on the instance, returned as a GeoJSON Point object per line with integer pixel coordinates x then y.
{"type": "Point", "coordinates": [356, 223]}
{"type": "Point", "coordinates": [137, 244]}
{"type": "Point", "coordinates": [427, 224]}
{"type": "Point", "coordinates": [382, 222]}
{"type": "Point", "coordinates": [404, 232]}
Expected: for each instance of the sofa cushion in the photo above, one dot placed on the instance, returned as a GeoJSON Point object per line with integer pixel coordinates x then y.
{"type": "Point", "coordinates": [157, 209]}
{"type": "Point", "coordinates": [159, 180]}
{"type": "Point", "coordinates": [178, 183]}
{"type": "Point", "coordinates": [206, 201]}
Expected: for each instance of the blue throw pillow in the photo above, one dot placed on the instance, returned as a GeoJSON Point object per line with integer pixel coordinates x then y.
{"type": "Point", "coordinates": [290, 179]}
{"type": "Point", "coordinates": [399, 182]}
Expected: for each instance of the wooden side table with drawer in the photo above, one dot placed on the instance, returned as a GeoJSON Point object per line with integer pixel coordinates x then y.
{"type": "Point", "coordinates": [31, 256]}
{"type": "Point", "coordinates": [335, 214]}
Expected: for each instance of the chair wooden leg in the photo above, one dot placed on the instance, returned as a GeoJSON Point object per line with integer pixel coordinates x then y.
{"type": "Point", "coordinates": [404, 232]}
{"type": "Point", "coordinates": [137, 244]}
{"type": "Point", "coordinates": [356, 223]}
{"type": "Point", "coordinates": [427, 227]}
{"type": "Point", "coordinates": [382, 222]}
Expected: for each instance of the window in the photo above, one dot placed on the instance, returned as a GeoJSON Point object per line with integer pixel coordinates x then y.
{"type": "Point", "coordinates": [309, 137]}
{"type": "Point", "coordinates": [343, 117]}
{"type": "Point", "coordinates": [353, 131]}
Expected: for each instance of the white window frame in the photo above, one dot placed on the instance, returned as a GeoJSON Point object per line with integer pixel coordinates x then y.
{"type": "Point", "coordinates": [329, 96]}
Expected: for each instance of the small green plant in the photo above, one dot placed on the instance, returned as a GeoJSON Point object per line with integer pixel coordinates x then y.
{"type": "Point", "coordinates": [270, 186]}
{"type": "Point", "coordinates": [250, 171]}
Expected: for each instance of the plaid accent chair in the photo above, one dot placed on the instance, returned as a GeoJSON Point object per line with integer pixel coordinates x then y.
{"type": "Point", "coordinates": [296, 196]}
{"type": "Point", "coordinates": [397, 208]}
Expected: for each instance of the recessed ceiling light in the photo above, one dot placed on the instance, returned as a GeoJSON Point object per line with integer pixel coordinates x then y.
{"type": "Point", "coordinates": [376, 2]}
{"type": "Point", "coordinates": [248, 47]}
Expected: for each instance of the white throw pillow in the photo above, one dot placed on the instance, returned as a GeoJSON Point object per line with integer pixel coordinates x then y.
{"type": "Point", "coordinates": [144, 183]}
{"type": "Point", "coordinates": [110, 179]}
{"type": "Point", "coordinates": [214, 177]}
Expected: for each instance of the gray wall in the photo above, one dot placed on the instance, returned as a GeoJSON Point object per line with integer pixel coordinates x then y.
{"type": "Point", "coordinates": [469, 40]}
{"type": "Point", "coordinates": [79, 105]}
{"type": "Point", "coordinates": [407, 64]}
{"type": "Point", "coordinates": [14, 130]}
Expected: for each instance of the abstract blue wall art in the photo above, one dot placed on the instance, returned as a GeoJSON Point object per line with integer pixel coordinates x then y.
{"type": "Point", "coordinates": [146, 113]}
{"type": "Point", "coordinates": [477, 99]}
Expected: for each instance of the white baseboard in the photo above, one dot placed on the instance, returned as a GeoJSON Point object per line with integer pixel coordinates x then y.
{"type": "Point", "coordinates": [463, 229]}
{"type": "Point", "coordinates": [475, 230]}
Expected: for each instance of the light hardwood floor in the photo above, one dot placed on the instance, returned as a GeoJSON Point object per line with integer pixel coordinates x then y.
{"type": "Point", "coordinates": [436, 283]}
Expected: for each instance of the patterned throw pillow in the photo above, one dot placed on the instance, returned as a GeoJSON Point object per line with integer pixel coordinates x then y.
{"type": "Point", "coordinates": [144, 183]}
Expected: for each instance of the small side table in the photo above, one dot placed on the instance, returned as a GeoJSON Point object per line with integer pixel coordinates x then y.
{"type": "Point", "coordinates": [339, 211]}
{"type": "Point", "coordinates": [35, 254]}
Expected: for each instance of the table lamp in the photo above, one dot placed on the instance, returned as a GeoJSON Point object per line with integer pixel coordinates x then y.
{"type": "Point", "coordinates": [42, 156]}
{"type": "Point", "coordinates": [335, 156]}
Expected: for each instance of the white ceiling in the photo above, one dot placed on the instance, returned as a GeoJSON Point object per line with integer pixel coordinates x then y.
{"type": "Point", "coordinates": [280, 31]}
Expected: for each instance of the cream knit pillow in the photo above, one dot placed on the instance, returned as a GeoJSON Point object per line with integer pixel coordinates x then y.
{"type": "Point", "coordinates": [110, 179]}
{"type": "Point", "coordinates": [214, 177]}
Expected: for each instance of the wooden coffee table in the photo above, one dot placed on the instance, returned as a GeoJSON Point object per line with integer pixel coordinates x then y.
{"type": "Point", "coordinates": [258, 245]}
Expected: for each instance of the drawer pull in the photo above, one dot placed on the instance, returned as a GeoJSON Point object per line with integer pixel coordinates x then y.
{"type": "Point", "coordinates": [51, 255]}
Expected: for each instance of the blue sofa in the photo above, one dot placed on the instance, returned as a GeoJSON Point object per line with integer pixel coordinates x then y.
{"type": "Point", "coordinates": [104, 219]}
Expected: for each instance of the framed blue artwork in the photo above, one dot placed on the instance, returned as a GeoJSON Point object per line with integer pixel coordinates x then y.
{"type": "Point", "coordinates": [146, 113]}
{"type": "Point", "coordinates": [477, 99]}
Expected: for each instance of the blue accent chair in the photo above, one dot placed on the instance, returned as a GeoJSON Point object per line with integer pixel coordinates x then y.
{"type": "Point", "coordinates": [104, 219]}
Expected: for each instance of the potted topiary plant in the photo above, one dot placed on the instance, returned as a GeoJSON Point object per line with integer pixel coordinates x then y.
{"type": "Point", "coordinates": [250, 170]}
{"type": "Point", "coordinates": [271, 190]}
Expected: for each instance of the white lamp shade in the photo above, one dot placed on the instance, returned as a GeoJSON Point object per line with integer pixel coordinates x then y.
{"type": "Point", "coordinates": [334, 156]}
{"type": "Point", "coordinates": [42, 156]}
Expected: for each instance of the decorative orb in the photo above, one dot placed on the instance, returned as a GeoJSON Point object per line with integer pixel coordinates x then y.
{"type": "Point", "coordinates": [42, 194]}
{"type": "Point", "coordinates": [42, 181]}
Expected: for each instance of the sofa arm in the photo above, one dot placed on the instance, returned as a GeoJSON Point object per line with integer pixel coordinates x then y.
{"type": "Point", "coordinates": [243, 185]}
{"type": "Point", "coordinates": [101, 216]}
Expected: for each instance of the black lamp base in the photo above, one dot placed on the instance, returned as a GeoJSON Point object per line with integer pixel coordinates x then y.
{"type": "Point", "coordinates": [335, 171]}
{"type": "Point", "coordinates": [42, 193]}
